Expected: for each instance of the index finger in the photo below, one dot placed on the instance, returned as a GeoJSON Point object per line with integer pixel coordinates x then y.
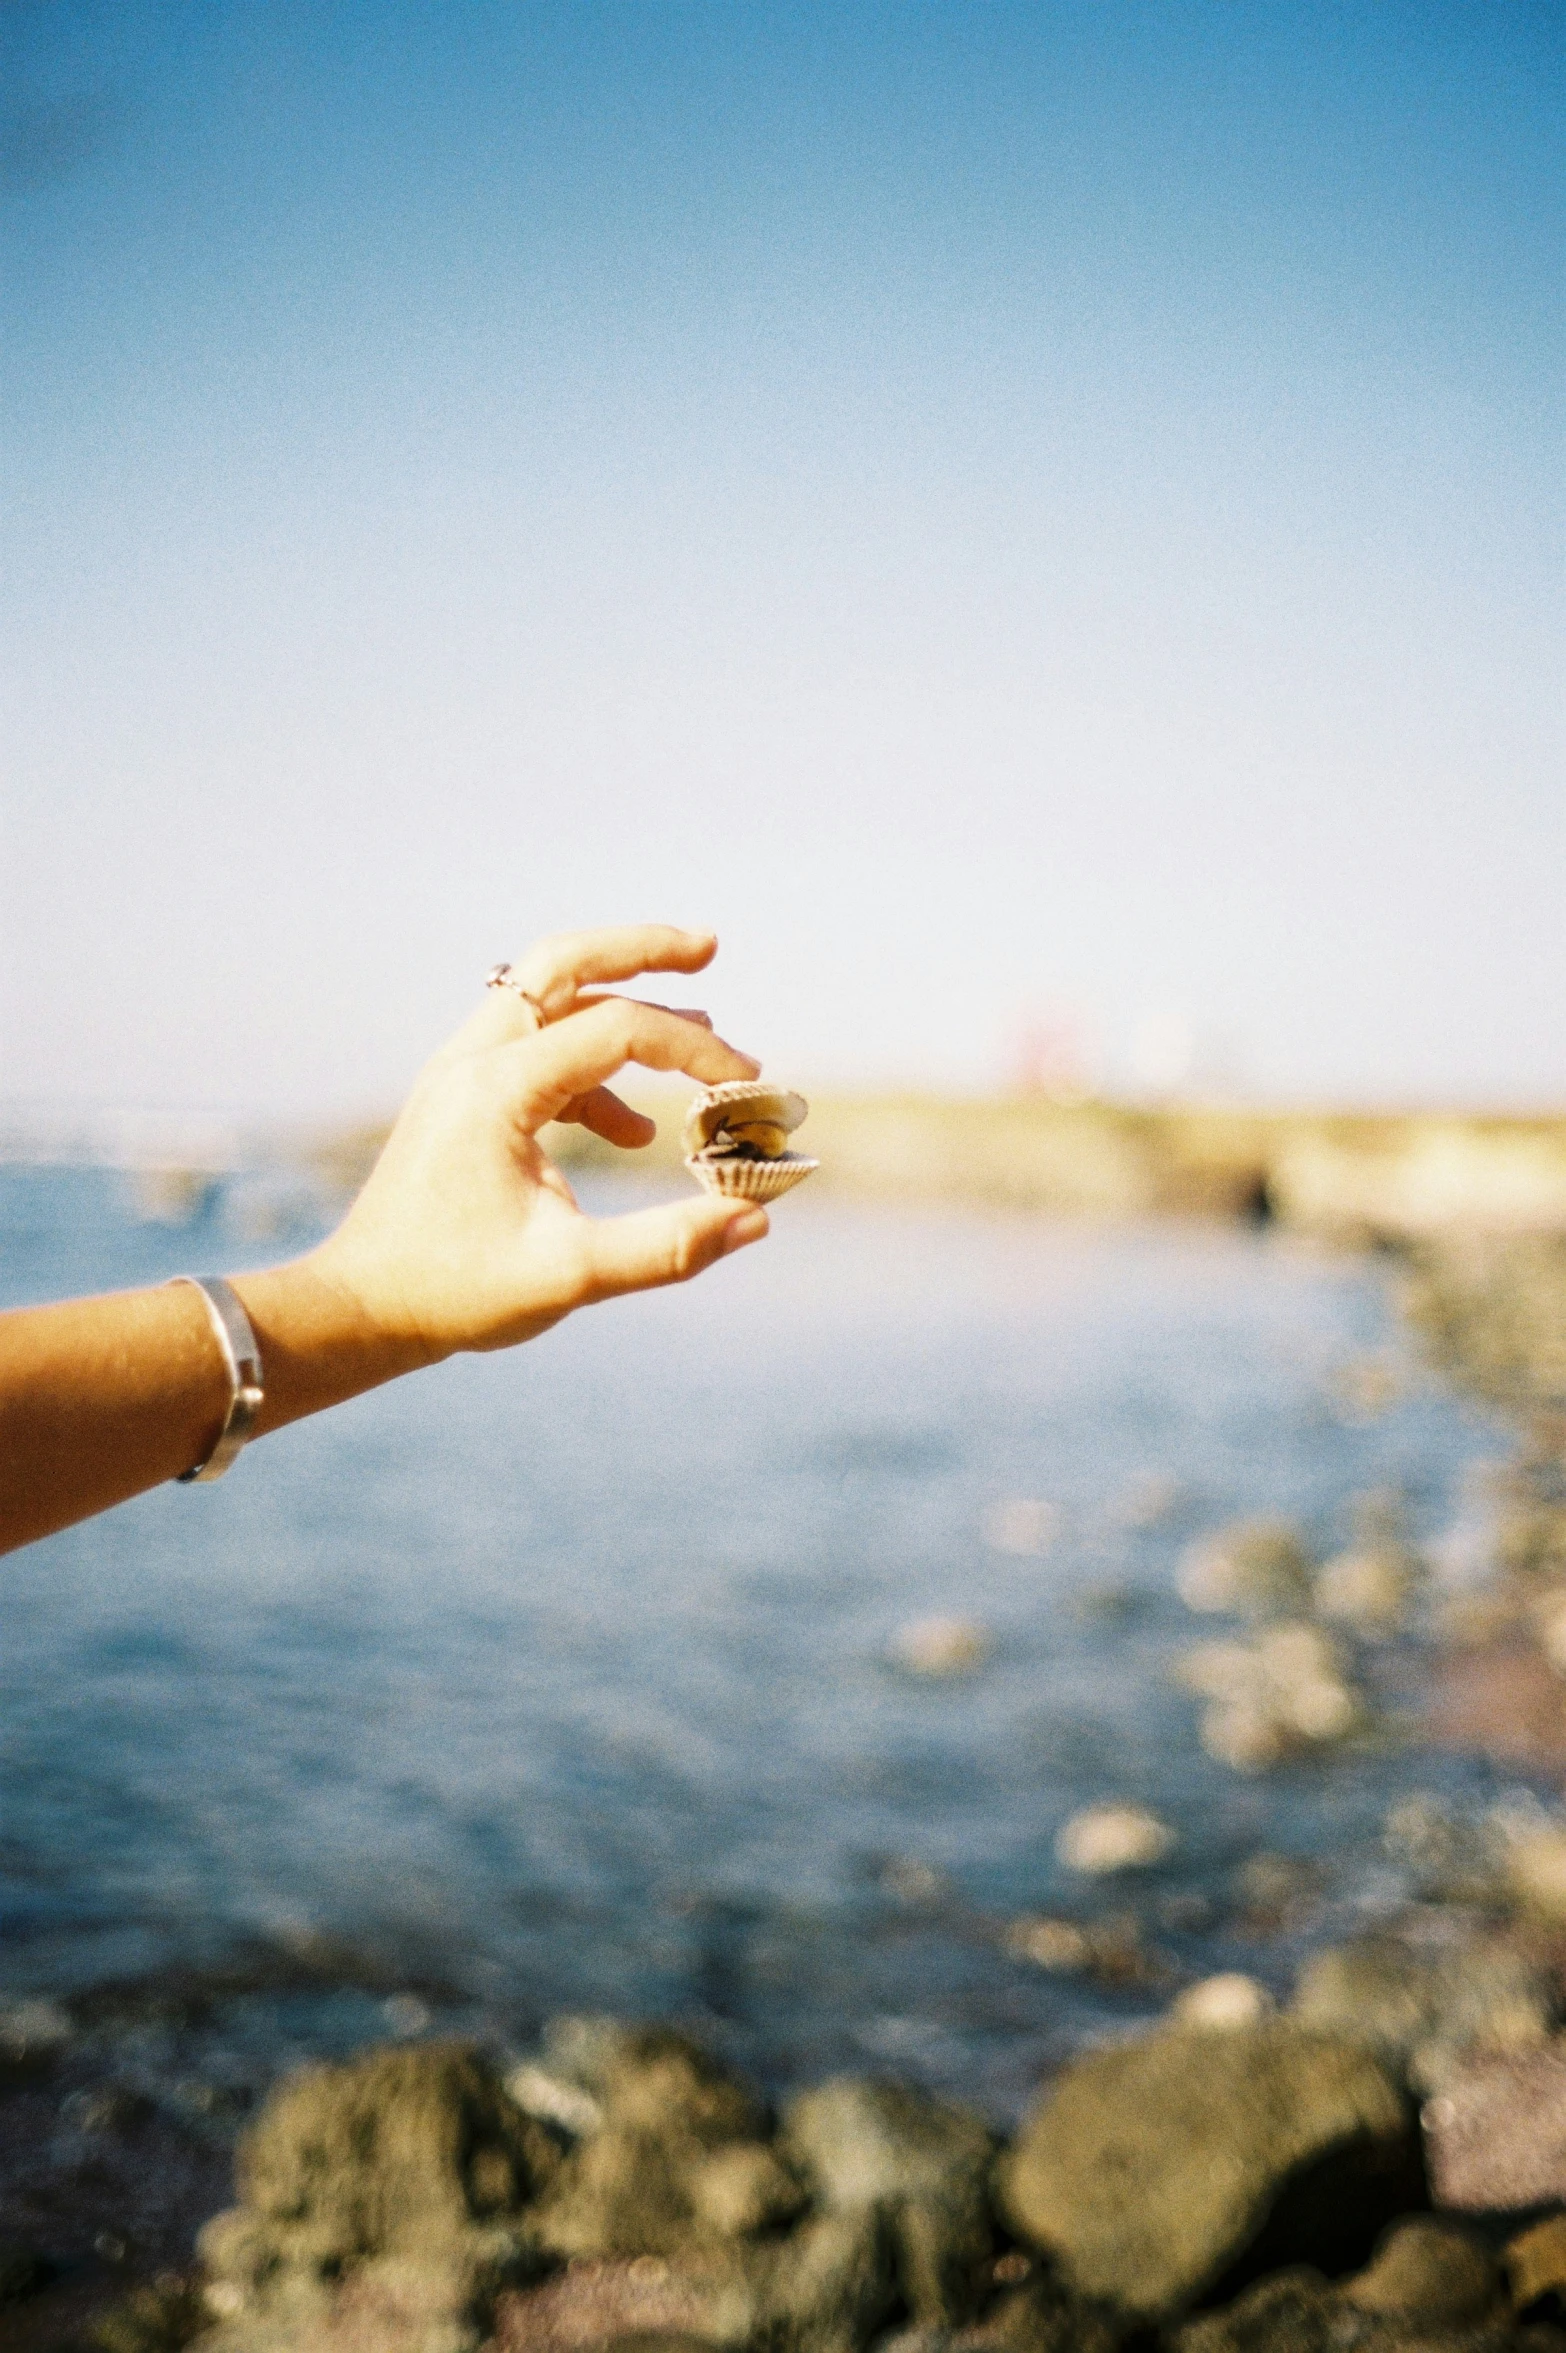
{"type": "Point", "coordinates": [544, 1072]}
{"type": "Point", "coordinates": [554, 969]}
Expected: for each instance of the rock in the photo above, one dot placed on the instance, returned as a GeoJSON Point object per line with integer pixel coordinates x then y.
{"type": "Point", "coordinates": [1549, 1617]}
{"type": "Point", "coordinates": [644, 2298]}
{"type": "Point", "coordinates": [1492, 1312]}
{"type": "Point", "coordinates": [1364, 1386]}
{"type": "Point", "coordinates": [1151, 1501]}
{"type": "Point", "coordinates": [160, 2317]}
{"type": "Point", "coordinates": [410, 2161]}
{"type": "Point", "coordinates": [1147, 2171]}
{"type": "Point", "coordinates": [1372, 1588]}
{"type": "Point", "coordinates": [1112, 1837]}
{"type": "Point", "coordinates": [1536, 2263]}
{"type": "Point", "coordinates": [1433, 2271]}
{"type": "Point", "coordinates": [1275, 1892]}
{"type": "Point", "coordinates": [1495, 2137]}
{"type": "Point", "coordinates": [1295, 2312]}
{"type": "Point", "coordinates": [830, 2285]}
{"type": "Point", "coordinates": [1428, 2015]}
{"type": "Point", "coordinates": [554, 2099]}
{"type": "Point", "coordinates": [1535, 1868]}
{"type": "Point", "coordinates": [23, 2271]}
{"type": "Point", "coordinates": [1374, 1585]}
{"type": "Point", "coordinates": [942, 1646]}
{"type": "Point", "coordinates": [1254, 1569]}
{"type": "Point", "coordinates": [1500, 1699]}
{"type": "Point", "coordinates": [1281, 1693]}
{"type": "Point", "coordinates": [1217, 2004]}
{"type": "Point", "coordinates": [922, 2163]}
{"type": "Point", "coordinates": [1039, 2318]}
{"type": "Point", "coordinates": [33, 2034]}
{"type": "Point", "coordinates": [1450, 1855]}
{"type": "Point", "coordinates": [1112, 1951]}
{"type": "Point", "coordinates": [1062, 1946]}
{"type": "Point", "coordinates": [1024, 1526]}
{"type": "Point", "coordinates": [649, 2181]}
{"type": "Point", "coordinates": [1430, 2285]}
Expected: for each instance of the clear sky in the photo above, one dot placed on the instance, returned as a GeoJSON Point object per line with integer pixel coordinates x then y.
{"type": "Point", "coordinates": [1013, 513]}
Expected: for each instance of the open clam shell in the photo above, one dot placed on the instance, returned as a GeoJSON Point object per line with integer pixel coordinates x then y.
{"type": "Point", "coordinates": [738, 1176]}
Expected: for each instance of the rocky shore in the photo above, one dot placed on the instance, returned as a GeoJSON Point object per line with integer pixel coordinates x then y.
{"type": "Point", "coordinates": [1373, 2156]}
{"type": "Point", "coordinates": [1222, 2182]}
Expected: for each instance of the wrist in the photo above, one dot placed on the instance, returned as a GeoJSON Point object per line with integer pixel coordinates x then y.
{"type": "Point", "coordinates": [320, 1344]}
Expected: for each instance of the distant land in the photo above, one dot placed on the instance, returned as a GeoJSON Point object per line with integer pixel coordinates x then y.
{"type": "Point", "coordinates": [1355, 1176]}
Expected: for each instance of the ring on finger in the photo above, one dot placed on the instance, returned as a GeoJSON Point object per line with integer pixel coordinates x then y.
{"type": "Point", "coordinates": [499, 976]}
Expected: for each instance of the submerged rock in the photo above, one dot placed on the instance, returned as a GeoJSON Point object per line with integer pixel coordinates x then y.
{"type": "Point", "coordinates": [1254, 1569]}
{"type": "Point", "coordinates": [1114, 1837]}
{"type": "Point", "coordinates": [1372, 1588]}
{"type": "Point", "coordinates": [1148, 2171]}
{"type": "Point", "coordinates": [1219, 2004]}
{"type": "Point", "coordinates": [942, 1646]}
{"type": "Point", "coordinates": [923, 2164]}
{"type": "Point", "coordinates": [1025, 1526]}
{"type": "Point", "coordinates": [1111, 1952]}
{"type": "Point", "coordinates": [1374, 1585]}
{"type": "Point", "coordinates": [1279, 1694]}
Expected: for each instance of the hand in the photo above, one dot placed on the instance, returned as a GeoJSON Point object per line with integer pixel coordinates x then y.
{"type": "Point", "coordinates": [466, 1235]}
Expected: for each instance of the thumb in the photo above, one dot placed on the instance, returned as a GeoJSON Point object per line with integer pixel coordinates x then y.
{"type": "Point", "coordinates": [666, 1245]}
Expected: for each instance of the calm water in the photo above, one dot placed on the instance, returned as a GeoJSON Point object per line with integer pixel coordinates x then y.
{"type": "Point", "coordinates": [562, 1680]}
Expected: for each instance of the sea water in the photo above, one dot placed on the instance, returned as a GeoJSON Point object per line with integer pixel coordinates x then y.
{"type": "Point", "coordinates": [570, 1679]}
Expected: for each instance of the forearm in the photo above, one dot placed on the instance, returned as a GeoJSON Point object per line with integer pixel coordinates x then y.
{"type": "Point", "coordinates": [464, 1237]}
{"type": "Point", "coordinates": [103, 1398]}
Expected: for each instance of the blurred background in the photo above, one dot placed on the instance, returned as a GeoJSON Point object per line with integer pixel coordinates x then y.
{"type": "Point", "coordinates": [1042, 525]}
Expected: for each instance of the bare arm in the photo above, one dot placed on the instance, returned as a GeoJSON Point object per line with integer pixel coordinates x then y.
{"type": "Point", "coordinates": [465, 1237]}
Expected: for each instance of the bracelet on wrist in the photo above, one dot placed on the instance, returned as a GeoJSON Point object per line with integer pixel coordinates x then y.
{"type": "Point", "coordinates": [242, 1356]}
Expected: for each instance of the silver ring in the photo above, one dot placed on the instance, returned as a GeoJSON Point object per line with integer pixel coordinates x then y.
{"type": "Point", "coordinates": [499, 977]}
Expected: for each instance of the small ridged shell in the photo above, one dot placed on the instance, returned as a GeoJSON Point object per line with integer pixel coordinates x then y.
{"type": "Point", "coordinates": [751, 1180]}
{"type": "Point", "coordinates": [715, 1104]}
{"type": "Point", "coordinates": [738, 1179]}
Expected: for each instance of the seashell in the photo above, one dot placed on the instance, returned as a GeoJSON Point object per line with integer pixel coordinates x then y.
{"type": "Point", "coordinates": [736, 1140]}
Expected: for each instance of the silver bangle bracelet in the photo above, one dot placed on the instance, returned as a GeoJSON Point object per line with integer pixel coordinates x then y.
{"type": "Point", "coordinates": [243, 1359]}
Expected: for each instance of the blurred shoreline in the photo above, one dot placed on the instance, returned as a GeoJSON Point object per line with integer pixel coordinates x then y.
{"type": "Point", "coordinates": [1354, 1177]}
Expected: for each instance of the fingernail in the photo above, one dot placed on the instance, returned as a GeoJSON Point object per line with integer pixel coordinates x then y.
{"type": "Point", "coordinates": [748, 1227]}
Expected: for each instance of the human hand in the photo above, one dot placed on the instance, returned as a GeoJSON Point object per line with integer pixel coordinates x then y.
{"type": "Point", "coordinates": [466, 1235]}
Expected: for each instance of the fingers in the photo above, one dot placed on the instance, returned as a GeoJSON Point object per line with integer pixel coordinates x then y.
{"type": "Point", "coordinates": [602, 1110]}
{"type": "Point", "coordinates": [541, 1074]}
{"type": "Point", "coordinates": [696, 1013]}
{"type": "Point", "coordinates": [553, 970]}
{"type": "Point", "coordinates": [666, 1245]}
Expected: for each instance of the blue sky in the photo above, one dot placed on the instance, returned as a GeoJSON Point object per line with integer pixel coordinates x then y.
{"type": "Point", "coordinates": [1013, 514]}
